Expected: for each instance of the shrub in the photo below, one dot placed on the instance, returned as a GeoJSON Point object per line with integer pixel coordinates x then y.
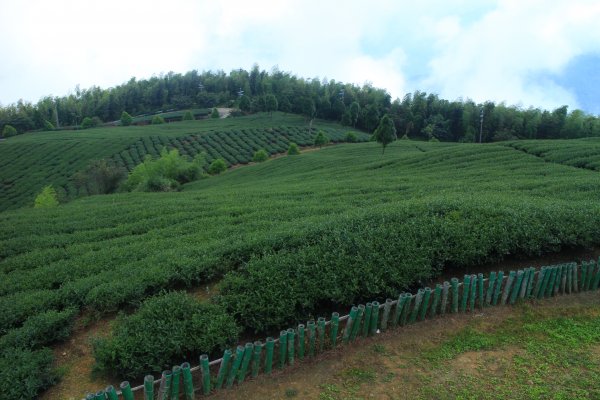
{"type": "Point", "coordinates": [48, 126]}
{"type": "Point", "coordinates": [87, 123]}
{"type": "Point", "coordinates": [351, 137]}
{"type": "Point", "coordinates": [188, 116]}
{"type": "Point", "coordinates": [217, 166]}
{"type": "Point", "coordinates": [215, 113]}
{"type": "Point", "coordinates": [260, 156]}
{"type": "Point", "coordinates": [166, 330]}
{"type": "Point", "coordinates": [293, 149]}
{"type": "Point", "coordinates": [41, 329]}
{"type": "Point", "coordinates": [25, 373]}
{"type": "Point", "coordinates": [405, 137]}
{"type": "Point", "coordinates": [126, 119]}
{"type": "Point", "coordinates": [46, 198]}
{"type": "Point", "coordinates": [157, 120]}
{"type": "Point", "coordinates": [9, 131]}
{"type": "Point", "coordinates": [100, 177]}
{"type": "Point", "coordinates": [434, 140]}
{"type": "Point", "coordinates": [321, 139]}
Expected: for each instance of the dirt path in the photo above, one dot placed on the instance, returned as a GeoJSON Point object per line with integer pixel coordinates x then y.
{"type": "Point", "coordinates": [305, 149]}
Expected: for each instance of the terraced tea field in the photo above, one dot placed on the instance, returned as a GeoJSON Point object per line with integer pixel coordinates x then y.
{"type": "Point", "coordinates": [291, 236]}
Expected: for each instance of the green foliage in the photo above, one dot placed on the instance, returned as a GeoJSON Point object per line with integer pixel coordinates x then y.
{"type": "Point", "coordinates": [25, 373]}
{"type": "Point", "coordinates": [100, 177]}
{"type": "Point", "coordinates": [166, 330]}
{"type": "Point", "coordinates": [245, 104]}
{"type": "Point", "coordinates": [126, 119]}
{"type": "Point", "coordinates": [9, 131]}
{"type": "Point", "coordinates": [385, 132]}
{"type": "Point", "coordinates": [405, 137]}
{"type": "Point", "coordinates": [293, 150]}
{"type": "Point", "coordinates": [41, 329]}
{"type": "Point", "coordinates": [46, 198]}
{"type": "Point", "coordinates": [87, 123]}
{"type": "Point", "coordinates": [271, 104]}
{"type": "Point", "coordinates": [351, 137]}
{"type": "Point", "coordinates": [260, 156]}
{"type": "Point", "coordinates": [214, 113]}
{"type": "Point", "coordinates": [163, 174]}
{"type": "Point", "coordinates": [48, 126]}
{"type": "Point", "coordinates": [157, 120]}
{"type": "Point", "coordinates": [321, 139]}
{"type": "Point", "coordinates": [217, 167]}
{"type": "Point", "coordinates": [188, 116]}
{"type": "Point", "coordinates": [434, 140]}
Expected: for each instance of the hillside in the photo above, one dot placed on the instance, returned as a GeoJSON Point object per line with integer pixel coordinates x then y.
{"type": "Point", "coordinates": [295, 234]}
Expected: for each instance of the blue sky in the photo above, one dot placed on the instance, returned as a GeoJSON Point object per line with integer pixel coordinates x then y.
{"type": "Point", "coordinates": [540, 53]}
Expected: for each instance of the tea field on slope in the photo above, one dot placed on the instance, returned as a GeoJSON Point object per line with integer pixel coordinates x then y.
{"type": "Point", "coordinates": [295, 234]}
{"type": "Point", "coordinates": [31, 161]}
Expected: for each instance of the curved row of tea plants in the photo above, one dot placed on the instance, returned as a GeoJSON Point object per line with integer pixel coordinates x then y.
{"type": "Point", "coordinates": [580, 153]}
{"type": "Point", "coordinates": [298, 233]}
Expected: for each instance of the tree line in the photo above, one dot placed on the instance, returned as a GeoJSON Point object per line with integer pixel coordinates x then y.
{"type": "Point", "coordinates": [418, 115]}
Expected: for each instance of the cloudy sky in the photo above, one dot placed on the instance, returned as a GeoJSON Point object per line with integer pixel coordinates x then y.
{"type": "Point", "coordinates": [541, 53]}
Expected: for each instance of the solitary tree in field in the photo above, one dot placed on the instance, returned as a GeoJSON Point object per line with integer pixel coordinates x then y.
{"type": "Point", "coordinates": [215, 113]}
{"type": "Point", "coordinates": [157, 120]}
{"type": "Point", "coordinates": [46, 198]}
{"type": "Point", "coordinates": [321, 139]}
{"type": "Point", "coordinates": [271, 104]}
{"type": "Point", "coordinates": [126, 119]}
{"type": "Point", "coordinates": [260, 156]}
{"type": "Point", "coordinates": [385, 132]}
{"type": "Point", "coordinates": [293, 150]}
{"type": "Point", "coordinates": [188, 116]}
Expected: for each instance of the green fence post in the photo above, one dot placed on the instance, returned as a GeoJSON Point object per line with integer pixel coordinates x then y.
{"type": "Point", "coordinates": [188, 383]}
{"type": "Point", "coordinates": [465, 293]}
{"type": "Point", "coordinates": [584, 269]}
{"type": "Point", "coordinates": [350, 324]}
{"type": "Point", "coordinates": [406, 308]}
{"type": "Point", "coordinates": [596, 277]}
{"type": "Point", "coordinates": [205, 370]}
{"type": "Point", "coordinates": [490, 289]}
{"type": "Point", "coordinates": [311, 338]}
{"type": "Point", "coordinates": [282, 348]}
{"type": "Point", "coordinates": [445, 290]}
{"type": "Point", "coordinates": [367, 323]}
{"type": "Point", "coordinates": [569, 287]}
{"type": "Point", "coordinates": [454, 283]}
{"type": "Point", "coordinates": [248, 350]}
{"type": "Point", "coordinates": [258, 346]}
{"type": "Point", "coordinates": [175, 379]}
{"type": "Point", "coordinates": [126, 390]}
{"type": "Point", "coordinates": [417, 306]}
{"type": "Point", "coordinates": [530, 282]}
{"type": "Point", "coordinates": [111, 393]}
{"type": "Point", "coordinates": [386, 314]}
{"type": "Point", "coordinates": [90, 396]}
{"type": "Point", "coordinates": [100, 395]}
{"type": "Point", "coordinates": [436, 300]}
{"type": "Point", "coordinates": [398, 310]}
{"type": "Point", "coordinates": [149, 387]}
{"type": "Point", "coordinates": [557, 280]}
{"type": "Point", "coordinates": [235, 366]}
{"type": "Point", "coordinates": [539, 282]}
{"type": "Point", "coordinates": [335, 323]}
{"type": "Point", "coordinates": [575, 277]}
{"type": "Point", "coordinates": [480, 291]}
{"type": "Point", "coordinates": [291, 333]}
{"type": "Point", "coordinates": [508, 287]}
{"type": "Point", "coordinates": [222, 370]}
{"type": "Point", "coordinates": [374, 318]}
{"type": "Point", "coordinates": [590, 275]}
{"type": "Point", "coordinates": [563, 279]}
{"type": "Point", "coordinates": [424, 303]}
{"type": "Point", "coordinates": [517, 287]}
{"type": "Point", "coordinates": [472, 293]}
{"type": "Point", "coordinates": [552, 289]}
{"type": "Point", "coordinates": [549, 282]}
{"type": "Point", "coordinates": [321, 332]}
{"type": "Point", "coordinates": [498, 288]}
{"type": "Point", "coordinates": [270, 347]}
{"type": "Point", "coordinates": [356, 323]}
{"type": "Point", "coordinates": [165, 385]}
{"type": "Point", "coordinates": [524, 284]}
{"type": "Point", "coordinates": [300, 341]}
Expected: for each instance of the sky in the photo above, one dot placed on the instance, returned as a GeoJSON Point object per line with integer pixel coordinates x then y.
{"type": "Point", "coordinates": [522, 52]}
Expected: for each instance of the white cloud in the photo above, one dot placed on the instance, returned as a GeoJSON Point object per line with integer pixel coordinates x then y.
{"type": "Point", "coordinates": [497, 57]}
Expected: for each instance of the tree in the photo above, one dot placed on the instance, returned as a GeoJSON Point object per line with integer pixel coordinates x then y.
{"type": "Point", "coordinates": [245, 105]}
{"type": "Point", "coordinates": [126, 119]}
{"type": "Point", "coordinates": [351, 137]}
{"type": "Point", "coordinates": [354, 113]}
{"type": "Point", "coordinates": [87, 123]}
{"type": "Point", "coordinates": [321, 139]}
{"type": "Point", "coordinates": [385, 132]}
{"type": "Point", "coordinates": [48, 126]}
{"type": "Point", "coordinates": [9, 131]}
{"type": "Point", "coordinates": [260, 156]}
{"type": "Point", "coordinates": [215, 113]}
{"type": "Point", "coordinates": [157, 120]}
{"type": "Point", "coordinates": [100, 177]}
{"type": "Point", "coordinates": [47, 198]}
{"type": "Point", "coordinates": [188, 116]}
{"type": "Point", "coordinates": [217, 166]}
{"type": "Point", "coordinates": [293, 150]}
{"type": "Point", "coordinates": [271, 104]}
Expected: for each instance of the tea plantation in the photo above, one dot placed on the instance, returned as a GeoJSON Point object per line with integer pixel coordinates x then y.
{"type": "Point", "coordinates": [285, 238]}
{"type": "Point", "coordinates": [31, 161]}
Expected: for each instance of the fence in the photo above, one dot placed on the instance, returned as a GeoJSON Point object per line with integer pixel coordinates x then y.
{"type": "Point", "coordinates": [474, 292]}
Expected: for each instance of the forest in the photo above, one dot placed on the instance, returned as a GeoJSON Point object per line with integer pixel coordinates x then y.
{"type": "Point", "coordinates": [418, 115]}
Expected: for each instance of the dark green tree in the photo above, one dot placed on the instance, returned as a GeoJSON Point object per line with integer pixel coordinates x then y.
{"type": "Point", "coordinates": [293, 150]}
{"type": "Point", "coordinates": [271, 104]}
{"type": "Point", "coordinates": [354, 113]}
{"type": "Point", "coordinates": [8, 131]}
{"type": "Point", "coordinates": [321, 139]}
{"type": "Point", "coordinates": [87, 123]}
{"type": "Point", "coordinates": [188, 116]}
{"type": "Point", "coordinates": [215, 113]}
{"type": "Point", "coordinates": [157, 120]}
{"type": "Point", "coordinates": [385, 132]}
{"type": "Point", "coordinates": [260, 156]}
{"type": "Point", "coordinates": [126, 119]}
{"type": "Point", "coordinates": [217, 167]}
{"type": "Point", "coordinates": [245, 104]}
